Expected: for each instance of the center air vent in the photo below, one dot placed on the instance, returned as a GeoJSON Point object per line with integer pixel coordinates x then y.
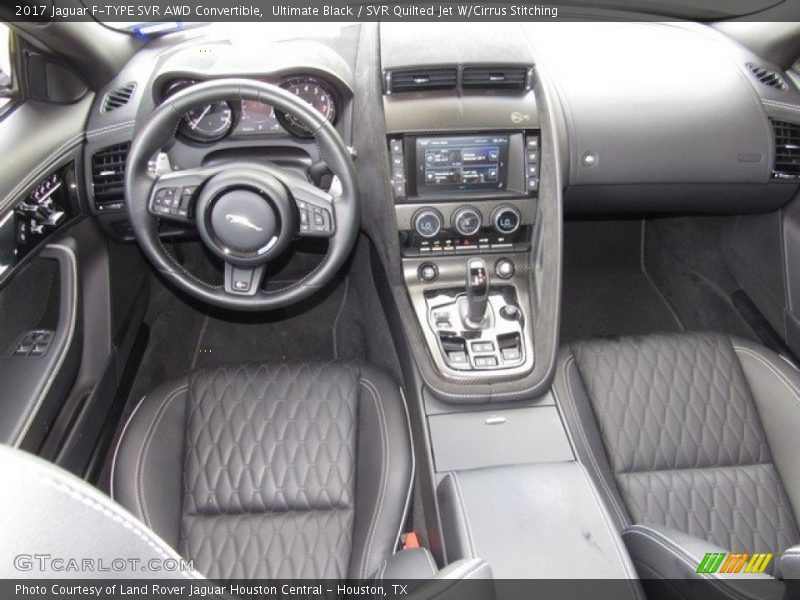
{"type": "Point", "coordinates": [108, 177]}
{"type": "Point", "coordinates": [495, 78]}
{"type": "Point", "coordinates": [416, 80]}
{"type": "Point", "coordinates": [119, 97]}
{"type": "Point", "coordinates": [787, 150]}
{"type": "Point", "coordinates": [767, 77]}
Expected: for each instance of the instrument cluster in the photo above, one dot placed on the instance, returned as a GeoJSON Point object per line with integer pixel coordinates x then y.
{"type": "Point", "coordinates": [213, 122]}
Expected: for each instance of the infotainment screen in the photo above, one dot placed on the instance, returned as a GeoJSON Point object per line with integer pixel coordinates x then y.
{"type": "Point", "coordinates": [464, 163]}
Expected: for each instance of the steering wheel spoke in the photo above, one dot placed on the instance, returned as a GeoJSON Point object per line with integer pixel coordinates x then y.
{"type": "Point", "coordinates": [315, 210]}
{"type": "Point", "coordinates": [173, 195]}
{"type": "Point", "coordinates": [243, 281]}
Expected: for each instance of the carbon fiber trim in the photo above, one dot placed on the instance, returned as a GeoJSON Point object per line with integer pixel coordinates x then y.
{"type": "Point", "coordinates": [436, 111]}
{"type": "Point", "coordinates": [453, 274]}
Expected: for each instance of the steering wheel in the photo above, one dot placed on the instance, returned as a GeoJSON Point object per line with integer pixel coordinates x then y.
{"type": "Point", "coordinates": [245, 213]}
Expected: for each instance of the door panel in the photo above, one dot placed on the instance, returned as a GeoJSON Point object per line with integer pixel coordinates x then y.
{"type": "Point", "coordinates": [41, 198]}
{"type": "Point", "coordinates": [41, 343]}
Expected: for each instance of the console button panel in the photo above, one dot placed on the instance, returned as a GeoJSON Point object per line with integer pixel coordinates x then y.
{"type": "Point", "coordinates": [532, 153]}
{"type": "Point", "coordinates": [497, 345]}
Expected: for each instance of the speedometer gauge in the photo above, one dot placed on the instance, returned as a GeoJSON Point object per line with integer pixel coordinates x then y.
{"type": "Point", "coordinates": [207, 123]}
{"type": "Point", "coordinates": [317, 94]}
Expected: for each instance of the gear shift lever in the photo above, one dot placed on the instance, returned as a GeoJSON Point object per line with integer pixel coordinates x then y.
{"type": "Point", "coordinates": [477, 291]}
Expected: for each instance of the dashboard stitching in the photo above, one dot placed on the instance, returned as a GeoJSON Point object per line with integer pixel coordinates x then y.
{"type": "Point", "coordinates": [109, 128]}
{"type": "Point", "coordinates": [783, 105]}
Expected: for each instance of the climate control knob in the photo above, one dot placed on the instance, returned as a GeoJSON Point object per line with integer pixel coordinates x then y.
{"type": "Point", "coordinates": [428, 222]}
{"type": "Point", "coordinates": [506, 219]}
{"type": "Point", "coordinates": [467, 221]}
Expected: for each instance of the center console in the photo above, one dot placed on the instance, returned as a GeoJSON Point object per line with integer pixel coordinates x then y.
{"type": "Point", "coordinates": [465, 205]}
{"type": "Point", "coordinates": [472, 170]}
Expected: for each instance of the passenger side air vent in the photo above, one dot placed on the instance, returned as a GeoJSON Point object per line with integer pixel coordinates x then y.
{"type": "Point", "coordinates": [787, 150]}
{"type": "Point", "coordinates": [119, 97]}
{"type": "Point", "coordinates": [505, 78]}
{"type": "Point", "coordinates": [108, 177]}
{"type": "Point", "coordinates": [418, 80]}
{"type": "Point", "coordinates": [767, 77]}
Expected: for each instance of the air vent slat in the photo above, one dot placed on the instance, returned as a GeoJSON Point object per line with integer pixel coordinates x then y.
{"type": "Point", "coordinates": [108, 177]}
{"type": "Point", "coordinates": [119, 97]}
{"type": "Point", "coordinates": [787, 150]}
{"type": "Point", "coordinates": [494, 77]}
{"type": "Point", "coordinates": [768, 77]}
{"type": "Point", "coordinates": [416, 80]}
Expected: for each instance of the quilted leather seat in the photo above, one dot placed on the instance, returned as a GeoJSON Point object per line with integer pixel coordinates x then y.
{"type": "Point", "coordinates": [695, 440]}
{"type": "Point", "coordinates": [285, 470]}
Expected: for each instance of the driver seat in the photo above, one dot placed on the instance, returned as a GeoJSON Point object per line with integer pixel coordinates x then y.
{"type": "Point", "coordinates": [297, 470]}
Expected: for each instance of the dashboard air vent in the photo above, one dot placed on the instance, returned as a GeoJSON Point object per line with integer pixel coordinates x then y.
{"type": "Point", "coordinates": [108, 177]}
{"type": "Point", "coordinates": [119, 97]}
{"type": "Point", "coordinates": [495, 77]}
{"type": "Point", "coordinates": [417, 80]}
{"type": "Point", "coordinates": [767, 77]}
{"type": "Point", "coordinates": [787, 150]}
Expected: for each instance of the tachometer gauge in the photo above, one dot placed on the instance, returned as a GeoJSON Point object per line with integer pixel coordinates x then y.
{"type": "Point", "coordinates": [317, 94]}
{"type": "Point", "coordinates": [208, 123]}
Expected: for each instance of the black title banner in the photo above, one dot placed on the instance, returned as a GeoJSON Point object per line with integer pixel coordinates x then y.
{"type": "Point", "coordinates": [355, 10]}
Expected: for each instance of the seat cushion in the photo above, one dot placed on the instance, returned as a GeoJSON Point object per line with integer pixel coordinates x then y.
{"type": "Point", "coordinates": [671, 429]}
{"type": "Point", "coordinates": [273, 470]}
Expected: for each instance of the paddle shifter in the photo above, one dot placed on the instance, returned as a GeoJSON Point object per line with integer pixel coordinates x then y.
{"type": "Point", "coordinates": [477, 291]}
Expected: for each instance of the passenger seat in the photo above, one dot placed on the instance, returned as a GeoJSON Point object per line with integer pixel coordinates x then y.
{"type": "Point", "coordinates": [695, 441]}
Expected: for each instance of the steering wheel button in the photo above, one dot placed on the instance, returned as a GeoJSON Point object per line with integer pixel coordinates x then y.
{"type": "Point", "coordinates": [303, 216]}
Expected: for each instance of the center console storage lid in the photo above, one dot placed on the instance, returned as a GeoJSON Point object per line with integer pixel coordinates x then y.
{"type": "Point", "coordinates": [541, 520]}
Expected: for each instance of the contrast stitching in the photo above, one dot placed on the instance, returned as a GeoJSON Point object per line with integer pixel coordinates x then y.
{"type": "Point", "coordinates": [676, 550]}
{"type": "Point", "coordinates": [469, 569]}
{"type": "Point", "coordinates": [154, 543]}
{"type": "Point", "coordinates": [434, 570]}
{"type": "Point", "coordinates": [145, 446]}
{"type": "Point", "coordinates": [384, 475]}
{"type": "Point", "coordinates": [100, 131]}
{"type": "Point", "coordinates": [779, 104]}
{"type": "Point", "coordinates": [623, 518]}
{"type": "Point", "coordinates": [462, 505]}
{"type": "Point", "coordinates": [413, 472]}
{"type": "Point", "coordinates": [612, 530]}
{"type": "Point", "coordinates": [301, 280]}
{"type": "Point", "coordinates": [119, 442]}
{"type": "Point", "coordinates": [765, 361]}
{"type": "Point", "coordinates": [183, 269]}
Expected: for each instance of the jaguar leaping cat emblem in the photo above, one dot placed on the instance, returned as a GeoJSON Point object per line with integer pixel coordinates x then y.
{"type": "Point", "coordinates": [243, 221]}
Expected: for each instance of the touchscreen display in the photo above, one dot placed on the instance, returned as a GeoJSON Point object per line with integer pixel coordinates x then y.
{"type": "Point", "coordinates": [461, 163]}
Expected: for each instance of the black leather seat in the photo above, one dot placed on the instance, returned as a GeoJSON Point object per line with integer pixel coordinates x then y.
{"type": "Point", "coordinates": [295, 470]}
{"type": "Point", "coordinates": [694, 438]}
